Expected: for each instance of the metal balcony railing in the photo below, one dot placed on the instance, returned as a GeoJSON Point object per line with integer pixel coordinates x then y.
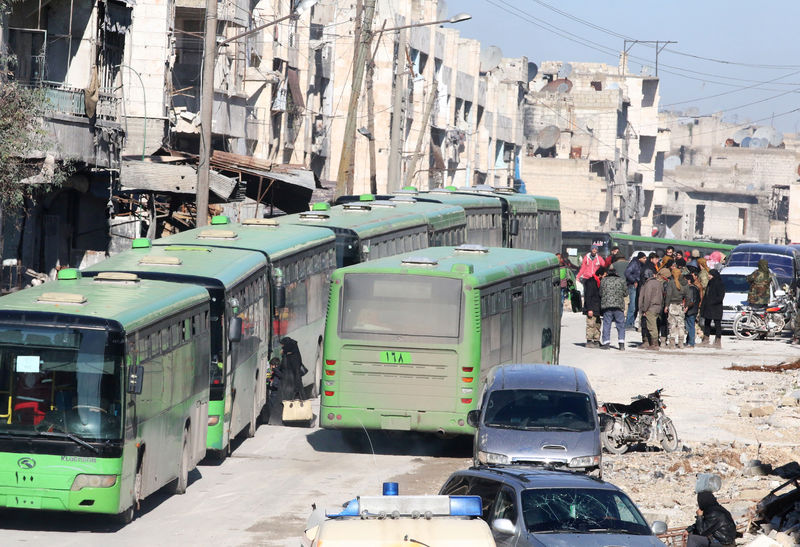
{"type": "Point", "coordinates": [69, 100]}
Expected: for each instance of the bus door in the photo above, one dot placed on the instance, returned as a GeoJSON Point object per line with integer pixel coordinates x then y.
{"type": "Point", "coordinates": [516, 324]}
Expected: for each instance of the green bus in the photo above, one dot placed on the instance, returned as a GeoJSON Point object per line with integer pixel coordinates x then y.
{"type": "Point", "coordinates": [409, 338]}
{"type": "Point", "coordinates": [364, 232]}
{"type": "Point", "coordinates": [447, 224]}
{"type": "Point", "coordinates": [300, 260]}
{"type": "Point", "coordinates": [577, 243]}
{"type": "Point", "coordinates": [236, 282]}
{"type": "Point", "coordinates": [105, 394]}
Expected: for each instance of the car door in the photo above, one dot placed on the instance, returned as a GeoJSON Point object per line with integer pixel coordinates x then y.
{"type": "Point", "coordinates": [505, 507]}
{"type": "Point", "coordinates": [487, 489]}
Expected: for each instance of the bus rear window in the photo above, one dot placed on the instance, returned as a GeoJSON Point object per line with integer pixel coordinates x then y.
{"type": "Point", "coordinates": [404, 305]}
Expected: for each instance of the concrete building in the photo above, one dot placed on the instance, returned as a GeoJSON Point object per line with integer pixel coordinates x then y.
{"type": "Point", "coordinates": [714, 188]}
{"type": "Point", "coordinates": [593, 140]}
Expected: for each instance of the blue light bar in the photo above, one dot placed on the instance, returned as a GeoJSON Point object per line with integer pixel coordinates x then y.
{"type": "Point", "coordinates": [465, 506]}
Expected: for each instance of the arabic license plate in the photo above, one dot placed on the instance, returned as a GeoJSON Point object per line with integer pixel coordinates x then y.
{"type": "Point", "coordinates": [396, 357]}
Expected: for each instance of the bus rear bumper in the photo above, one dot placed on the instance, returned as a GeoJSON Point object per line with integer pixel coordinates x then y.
{"type": "Point", "coordinates": [86, 500]}
{"type": "Point", "coordinates": [395, 420]}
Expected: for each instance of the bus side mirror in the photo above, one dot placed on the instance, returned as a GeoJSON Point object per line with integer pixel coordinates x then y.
{"type": "Point", "coordinates": [135, 379]}
{"type": "Point", "coordinates": [513, 227]}
{"type": "Point", "coordinates": [279, 300]}
{"type": "Point", "coordinates": [235, 330]}
{"type": "Point", "coordinates": [473, 417]}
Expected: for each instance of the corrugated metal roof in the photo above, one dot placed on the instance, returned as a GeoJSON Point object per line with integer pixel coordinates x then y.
{"type": "Point", "coordinates": [169, 178]}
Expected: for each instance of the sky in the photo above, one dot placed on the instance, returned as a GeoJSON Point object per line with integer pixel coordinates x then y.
{"type": "Point", "coordinates": [758, 42]}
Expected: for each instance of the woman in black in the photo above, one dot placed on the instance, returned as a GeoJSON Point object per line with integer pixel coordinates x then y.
{"type": "Point", "coordinates": [713, 525]}
{"type": "Point", "coordinates": [711, 309]}
{"type": "Point", "coordinates": [287, 379]}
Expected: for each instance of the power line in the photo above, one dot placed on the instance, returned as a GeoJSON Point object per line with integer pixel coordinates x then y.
{"type": "Point", "coordinates": [729, 92]}
{"type": "Point", "coordinates": [549, 27]}
{"type": "Point", "coordinates": [673, 51]}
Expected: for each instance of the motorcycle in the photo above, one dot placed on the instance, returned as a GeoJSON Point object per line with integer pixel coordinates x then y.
{"type": "Point", "coordinates": [766, 322]}
{"type": "Point", "coordinates": [642, 421]}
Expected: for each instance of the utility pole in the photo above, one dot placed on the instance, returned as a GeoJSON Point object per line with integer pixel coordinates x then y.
{"type": "Point", "coordinates": [659, 45]}
{"type": "Point", "coordinates": [395, 143]}
{"type": "Point", "coordinates": [206, 111]}
{"type": "Point", "coordinates": [344, 178]}
{"type": "Point", "coordinates": [369, 79]}
{"type": "Point", "coordinates": [412, 165]}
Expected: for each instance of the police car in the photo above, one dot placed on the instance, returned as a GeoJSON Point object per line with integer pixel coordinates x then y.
{"type": "Point", "coordinates": [403, 521]}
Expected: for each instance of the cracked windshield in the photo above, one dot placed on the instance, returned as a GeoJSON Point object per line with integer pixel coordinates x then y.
{"type": "Point", "coordinates": [539, 409]}
{"type": "Point", "coordinates": [59, 381]}
{"type": "Point", "coordinates": [556, 510]}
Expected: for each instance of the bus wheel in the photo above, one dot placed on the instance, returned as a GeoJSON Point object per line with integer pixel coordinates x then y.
{"type": "Point", "coordinates": [178, 486]}
{"type": "Point", "coordinates": [126, 517]}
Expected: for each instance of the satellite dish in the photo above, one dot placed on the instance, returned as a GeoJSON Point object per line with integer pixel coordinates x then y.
{"type": "Point", "coordinates": [490, 58]}
{"type": "Point", "coordinates": [671, 163]}
{"type": "Point", "coordinates": [777, 138]}
{"type": "Point", "coordinates": [533, 70]}
{"type": "Point", "coordinates": [772, 136]}
{"type": "Point", "coordinates": [548, 137]}
{"type": "Point", "coordinates": [746, 142]}
{"type": "Point", "coordinates": [758, 143]}
{"type": "Point", "coordinates": [562, 85]}
{"type": "Point", "coordinates": [740, 135]}
{"type": "Point", "coordinates": [565, 70]}
{"type": "Point", "coordinates": [441, 11]}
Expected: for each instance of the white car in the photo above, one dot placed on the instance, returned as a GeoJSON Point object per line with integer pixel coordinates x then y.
{"type": "Point", "coordinates": [734, 278]}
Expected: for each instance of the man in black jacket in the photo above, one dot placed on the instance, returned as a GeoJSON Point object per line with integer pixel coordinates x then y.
{"type": "Point", "coordinates": [713, 525]}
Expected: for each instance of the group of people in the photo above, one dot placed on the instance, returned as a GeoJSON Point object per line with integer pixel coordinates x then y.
{"type": "Point", "coordinates": [669, 294]}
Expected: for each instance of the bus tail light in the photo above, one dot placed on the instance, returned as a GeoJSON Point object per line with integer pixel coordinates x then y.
{"type": "Point", "coordinates": [328, 393]}
{"type": "Point", "coordinates": [467, 369]}
{"type": "Point", "coordinates": [466, 401]}
{"type": "Point", "coordinates": [330, 362]}
{"type": "Point", "coordinates": [467, 380]}
{"type": "Point", "coordinates": [330, 372]}
{"type": "Point", "coordinates": [213, 420]}
{"type": "Point", "coordinates": [93, 481]}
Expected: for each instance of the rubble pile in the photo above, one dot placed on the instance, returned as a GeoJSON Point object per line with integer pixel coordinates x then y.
{"type": "Point", "coordinates": [664, 484]}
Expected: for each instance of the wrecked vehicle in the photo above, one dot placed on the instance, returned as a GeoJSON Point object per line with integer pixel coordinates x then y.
{"type": "Point", "coordinates": [623, 425]}
{"type": "Point", "coordinates": [540, 508]}
{"type": "Point", "coordinates": [537, 415]}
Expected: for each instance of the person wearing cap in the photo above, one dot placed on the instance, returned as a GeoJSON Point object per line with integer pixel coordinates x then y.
{"type": "Point", "coordinates": [589, 264]}
{"type": "Point", "coordinates": [692, 260]}
{"type": "Point", "coordinates": [632, 275]}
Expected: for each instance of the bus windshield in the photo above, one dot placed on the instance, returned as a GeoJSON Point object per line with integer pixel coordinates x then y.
{"type": "Point", "coordinates": [60, 381]}
{"type": "Point", "coordinates": [405, 305]}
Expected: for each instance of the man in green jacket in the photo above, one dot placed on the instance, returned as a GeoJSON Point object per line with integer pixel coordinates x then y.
{"type": "Point", "coordinates": [759, 281]}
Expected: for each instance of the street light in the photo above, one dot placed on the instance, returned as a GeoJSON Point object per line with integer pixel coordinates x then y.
{"type": "Point", "coordinates": [207, 96]}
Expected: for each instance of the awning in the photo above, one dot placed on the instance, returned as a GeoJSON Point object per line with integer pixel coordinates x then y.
{"type": "Point", "coordinates": [288, 187]}
{"type": "Point", "coordinates": [169, 178]}
{"type": "Point", "coordinates": [294, 87]}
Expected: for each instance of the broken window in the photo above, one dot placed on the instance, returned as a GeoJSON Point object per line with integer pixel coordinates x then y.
{"type": "Point", "coordinates": [742, 221]}
{"type": "Point", "coordinates": [582, 510]}
{"type": "Point", "coordinates": [699, 219]}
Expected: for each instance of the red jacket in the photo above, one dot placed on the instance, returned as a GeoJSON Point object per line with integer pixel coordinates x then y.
{"type": "Point", "coordinates": [589, 265]}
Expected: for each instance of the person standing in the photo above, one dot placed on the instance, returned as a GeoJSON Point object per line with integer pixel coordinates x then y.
{"type": "Point", "coordinates": [290, 372]}
{"type": "Point", "coordinates": [591, 308]}
{"type": "Point", "coordinates": [612, 301]}
{"type": "Point", "coordinates": [612, 256]}
{"type": "Point", "coordinates": [589, 265]}
{"type": "Point", "coordinates": [651, 298]}
{"type": "Point", "coordinates": [564, 279]}
{"type": "Point", "coordinates": [669, 254]}
{"type": "Point", "coordinates": [633, 274]}
{"type": "Point", "coordinates": [760, 281]}
{"type": "Point", "coordinates": [713, 525]}
{"type": "Point", "coordinates": [675, 297]}
{"type": "Point", "coordinates": [691, 308]}
{"type": "Point", "coordinates": [711, 309]}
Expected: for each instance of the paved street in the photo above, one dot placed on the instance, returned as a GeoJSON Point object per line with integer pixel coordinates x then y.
{"type": "Point", "coordinates": [262, 494]}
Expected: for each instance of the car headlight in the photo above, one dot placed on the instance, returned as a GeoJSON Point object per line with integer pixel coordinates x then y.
{"type": "Point", "coordinates": [492, 458]}
{"type": "Point", "coordinates": [584, 461]}
{"type": "Point", "coordinates": [93, 481]}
